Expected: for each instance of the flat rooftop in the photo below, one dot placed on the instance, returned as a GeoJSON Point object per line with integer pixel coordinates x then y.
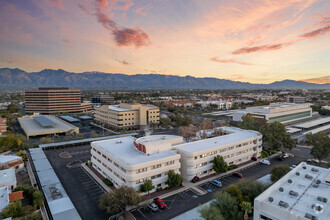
{"type": "Point", "coordinates": [118, 109]}
{"type": "Point", "coordinates": [123, 149]}
{"type": "Point", "coordinates": [317, 130]}
{"type": "Point", "coordinates": [236, 135]}
{"type": "Point", "coordinates": [291, 130]}
{"type": "Point", "coordinates": [305, 192]}
{"type": "Point", "coordinates": [33, 128]}
{"type": "Point", "coordinates": [312, 123]}
{"type": "Point", "coordinates": [4, 198]}
{"type": "Point", "coordinates": [7, 176]}
{"type": "Point", "coordinates": [8, 158]}
{"type": "Point", "coordinates": [69, 118]}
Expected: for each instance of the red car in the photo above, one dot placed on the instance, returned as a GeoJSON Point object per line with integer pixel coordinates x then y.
{"type": "Point", "coordinates": [237, 175]}
{"type": "Point", "coordinates": [160, 203]}
{"type": "Point", "coordinates": [254, 158]}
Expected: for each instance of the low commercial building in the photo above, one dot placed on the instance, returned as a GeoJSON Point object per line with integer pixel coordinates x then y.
{"type": "Point", "coordinates": [44, 125]}
{"type": "Point", "coordinates": [129, 161]}
{"type": "Point", "coordinates": [301, 194]}
{"type": "Point", "coordinates": [234, 145]}
{"type": "Point", "coordinates": [55, 100]}
{"type": "Point", "coordinates": [296, 99]}
{"type": "Point", "coordinates": [280, 112]}
{"type": "Point", "coordinates": [3, 126]}
{"type": "Point", "coordinates": [11, 161]}
{"type": "Point", "coordinates": [8, 179]}
{"type": "Point", "coordinates": [126, 116]}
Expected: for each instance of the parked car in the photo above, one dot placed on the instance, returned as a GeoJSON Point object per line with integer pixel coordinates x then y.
{"type": "Point", "coordinates": [280, 157]}
{"type": "Point", "coordinates": [216, 183]}
{"type": "Point", "coordinates": [153, 207]}
{"type": "Point", "coordinates": [285, 155]}
{"type": "Point", "coordinates": [195, 179]}
{"type": "Point", "coordinates": [160, 203]}
{"type": "Point", "coordinates": [237, 174]}
{"type": "Point", "coordinates": [292, 167]}
{"type": "Point", "coordinates": [266, 162]}
{"type": "Point", "coordinates": [254, 158]}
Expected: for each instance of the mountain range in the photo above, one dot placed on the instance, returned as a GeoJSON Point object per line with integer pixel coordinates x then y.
{"type": "Point", "coordinates": [88, 80]}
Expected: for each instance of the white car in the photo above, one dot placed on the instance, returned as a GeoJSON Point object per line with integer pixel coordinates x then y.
{"type": "Point", "coordinates": [266, 162]}
{"type": "Point", "coordinates": [153, 207]}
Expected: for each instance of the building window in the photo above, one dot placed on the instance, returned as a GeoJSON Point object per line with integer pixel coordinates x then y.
{"type": "Point", "coordinates": [159, 185]}
{"type": "Point", "coordinates": [156, 176]}
{"type": "Point", "coordinates": [195, 157]}
{"type": "Point", "coordinates": [116, 164]}
{"type": "Point", "coordinates": [265, 217]}
{"type": "Point", "coordinates": [141, 170]}
{"type": "Point", "coordinates": [169, 163]}
{"type": "Point", "coordinates": [156, 166]}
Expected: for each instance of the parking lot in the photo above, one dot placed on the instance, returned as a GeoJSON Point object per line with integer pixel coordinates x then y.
{"type": "Point", "coordinates": [82, 189]}
{"type": "Point", "coordinates": [186, 200]}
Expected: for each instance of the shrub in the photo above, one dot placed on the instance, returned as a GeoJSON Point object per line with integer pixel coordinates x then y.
{"type": "Point", "coordinates": [159, 189]}
{"type": "Point", "coordinates": [233, 166]}
{"type": "Point", "coordinates": [263, 154]}
{"type": "Point", "coordinates": [107, 182]}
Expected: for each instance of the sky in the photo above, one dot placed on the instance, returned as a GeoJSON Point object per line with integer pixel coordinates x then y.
{"type": "Point", "coordinates": [257, 41]}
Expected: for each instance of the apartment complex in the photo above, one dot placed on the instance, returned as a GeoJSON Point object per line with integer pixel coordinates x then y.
{"type": "Point", "coordinates": [295, 99]}
{"type": "Point", "coordinates": [303, 193]}
{"type": "Point", "coordinates": [126, 116]}
{"type": "Point", "coordinates": [234, 145]}
{"type": "Point", "coordinates": [55, 100]}
{"type": "Point", "coordinates": [280, 112]}
{"type": "Point", "coordinates": [129, 161]}
{"type": "Point", "coordinates": [3, 126]}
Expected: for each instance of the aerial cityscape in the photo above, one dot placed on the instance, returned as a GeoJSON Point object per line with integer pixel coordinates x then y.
{"type": "Point", "coordinates": [154, 109]}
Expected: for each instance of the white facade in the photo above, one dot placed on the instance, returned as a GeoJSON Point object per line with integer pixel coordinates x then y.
{"type": "Point", "coordinates": [235, 146]}
{"type": "Point", "coordinates": [8, 179]}
{"type": "Point", "coordinates": [280, 112]}
{"type": "Point", "coordinates": [220, 104]}
{"type": "Point", "coordinates": [4, 197]}
{"type": "Point", "coordinates": [129, 161]}
{"type": "Point", "coordinates": [303, 193]}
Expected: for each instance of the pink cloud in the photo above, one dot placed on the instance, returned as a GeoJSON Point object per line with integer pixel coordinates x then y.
{"type": "Point", "coordinates": [316, 33]}
{"type": "Point", "coordinates": [141, 11]}
{"type": "Point", "coordinates": [124, 62]}
{"type": "Point", "coordinates": [68, 43]}
{"type": "Point", "coordinates": [58, 3]}
{"type": "Point", "coordinates": [245, 50]}
{"type": "Point", "coordinates": [215, 59]}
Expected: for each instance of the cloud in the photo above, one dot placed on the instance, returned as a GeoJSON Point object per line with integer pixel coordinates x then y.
{"type": "Point", "coordinates": [58, 3]}
{"type": "Point", "coordinates": [124, 62]}
{"type": "Point", "coordinates": [129, 36]}
{"type": "Point", "coordinates": [68, 43]}
{"type": "Point", "coordinates": [316, 33]}
{"type": "Point", "coordinates": [270, 47]}
{"type": "Point", "coordinates": [320, 80]}
{"type": "Point", "coordinates": [215, 59]}
{"type": "Point", "coordinates": [141, 11]}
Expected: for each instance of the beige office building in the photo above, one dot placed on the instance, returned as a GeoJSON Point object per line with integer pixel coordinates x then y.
{"type": "Point", "coordinates": [126, 116]}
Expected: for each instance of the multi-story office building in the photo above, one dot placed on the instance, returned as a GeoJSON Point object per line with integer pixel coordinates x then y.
{"type": "Point", "coordinates": [55, 100]}
{"type": "Point", "coordinates": [296, 99]}
{"type": "Point", "coordinates": [3, 126]}
{"type": "Point", "coordinates": [234, 145]}
{"type": "Point", "coordinates": [129, 161]}
{"type": "Point", "coordinates": [103, 100]}
{"type": "Point", "coordinates": [280, 112]}
{"type": "Point", "coordinates": [126, 116]}
{"type": "Point", "coordinates": [303, 193]}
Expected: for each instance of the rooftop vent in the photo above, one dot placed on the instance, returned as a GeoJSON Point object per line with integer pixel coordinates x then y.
{"type": "Point", "coordinates": [310, 216]}
{"type": "Point", "coordinates": [304, 167]}
{"type": "Point", "coordinates": [289, 180]}
{"type": "Point", "coordinates": [318, 181]}
{"type": "Point", "coordinates": [281, 189]}
{"type": "Point", "coordinates": [315, 170]}
{"type": "Point", "coordinates": [308, 176]}
{"type": "Point", "coordinates": [293, 193]}
{"type": "Point", "coordinates": [322, 199]}
{"type": "Point", "coordinates": [317, 208]}
{"type": "Point", "coordinates": [270, 199]}
{"type": "Point", "coordinates": [297, 173]}
{"type": "Point", "coordinates": [283, 204]}
{"type": "Point", "coordinates": [316, 185]}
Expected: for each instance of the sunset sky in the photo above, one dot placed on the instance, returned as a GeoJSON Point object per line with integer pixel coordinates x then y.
{"type": "Point", "coordinates": [257, 41]}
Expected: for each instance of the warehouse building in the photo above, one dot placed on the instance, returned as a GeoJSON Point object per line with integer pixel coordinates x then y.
{"type": "Point", "coordinates": [55, 100]}
{"type": "Point", "coordinates": [303, 193]}
{"type": "Point", "coordinates": [126, 116]}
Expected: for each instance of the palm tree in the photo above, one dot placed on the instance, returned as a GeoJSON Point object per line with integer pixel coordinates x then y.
{"type": "Point", "coordinates": [247, 208]}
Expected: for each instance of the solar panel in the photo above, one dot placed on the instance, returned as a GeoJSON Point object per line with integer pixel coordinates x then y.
{"type": "Point", "coordinates": [69, 118]}
{"type": "Point", "coordinates": [44, 122]}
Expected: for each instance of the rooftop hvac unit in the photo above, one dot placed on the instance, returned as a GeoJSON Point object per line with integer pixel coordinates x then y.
{"type": "Point", "coordinates": [270, 199]}
{"type": "Point", "coordinates": [283, 204]}
{"type": "Point", "coordinates": [304, 167]}
{"type": "Point", "coordinates": [318, 181]}
{"type": "Point", "coordinates": [322, 199]}
{"type": "Point", "coordinates": [310, 216]}
{"type": "Point", "coordinates": [293, 193]}
{"type": "Point", "coordinates": [316, 185]}
{"type": "Point", "coordinates": [308, 176]}
{"type": "Point", "coordinates": [281, 189]}
{"type": "Point", "coordinates": [317, 208]}
{"type": "Point", "coordinates": [289, 180]}
{"type": "Point", "coordinates": [297, 173]}
{"type": "Point", "coordinates": [314, 170]}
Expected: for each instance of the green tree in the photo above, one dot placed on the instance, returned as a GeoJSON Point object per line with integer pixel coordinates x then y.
{"type": "Point", "coordinates": [251, 189]}
{"type": "Point", "coordinates": [14, 209]}
{"type": "Point", "coordinates": [321, 145]}
{"type": "Point", "coordinates": [146, 186]}
{"type": "Point", "coordinates": [12, 108]}
{"type": "Point", "coordinates": [119, 199]}
{"type": "Point", "coordinates": [38, 198]}
{"type": "Point", "coordinates": [165, 122]}
{"type": "Point", "coordinates": [219, 164]}
{"type": "Point", "coordinates": [235, 192]}
{"type": "Point", "coordinates": [174, 179]}
{"type": "Point", "coordinates": [247, 208]}
{"type": "Point", "coordinates": [274, 136]}
{"type": "Point", "coordinates": [249, 123]}
{"type": "Point", "coordinates": [227, 205]}
{"type": "Point", "coordinates": [208, 212]}
{"type": "Point", "coordinates": [277, 172]}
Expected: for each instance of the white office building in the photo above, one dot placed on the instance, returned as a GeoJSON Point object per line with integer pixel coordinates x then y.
{"type": "Point", "coordinates": [234, 145]}
{"type": "Point", "coordinates": [129, 161]}
{"type": "Point", "coordinates": [303, 193]}
{"type": "Point", "coordinates": [280, 112]}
